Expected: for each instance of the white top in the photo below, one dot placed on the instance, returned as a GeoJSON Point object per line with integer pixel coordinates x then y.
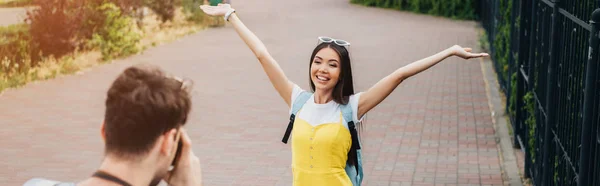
{"type": "Point", "coordinates": [330, 112]}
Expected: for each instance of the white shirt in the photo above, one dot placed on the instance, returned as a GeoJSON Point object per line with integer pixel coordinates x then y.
{"type": "Point", "coordinates": [330, 112]}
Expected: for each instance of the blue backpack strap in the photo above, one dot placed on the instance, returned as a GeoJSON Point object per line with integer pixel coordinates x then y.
{"type": "Point", "coordinates": [355, 172]}
{"type": "Point", "coordinates": [296, 106]}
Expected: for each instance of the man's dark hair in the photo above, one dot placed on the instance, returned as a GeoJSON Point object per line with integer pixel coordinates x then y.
{"type": "Point", "coordinates": [142, 104]}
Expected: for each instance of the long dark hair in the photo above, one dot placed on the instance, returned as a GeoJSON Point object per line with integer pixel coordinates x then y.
{"type": "Point", "coordinates": [345, 86]}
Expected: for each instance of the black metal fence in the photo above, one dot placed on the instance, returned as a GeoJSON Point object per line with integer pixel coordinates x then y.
{"type": "Point", "coordinates": [548, 67]}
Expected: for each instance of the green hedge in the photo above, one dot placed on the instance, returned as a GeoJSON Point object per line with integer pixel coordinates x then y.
{"type": "Point", "coordinates": [457, 9]}
{"type": "Point", "coordinates": [165, 9]}
{"type": "Point", "coordinates": [502, 40]}
{"type": "Point", "coordinates": [530, 122]}
{"type": "Point", "coordinates": [192, 10]}
{"type": "Point", "coordinates": [117, 37]}
{"type": "Point", "coordinates": [59, 27]}
{"type": "Point", "coordinates": [15, 52]}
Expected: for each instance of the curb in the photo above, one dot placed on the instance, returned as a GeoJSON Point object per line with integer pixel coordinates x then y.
{"type": "Point", "coordinates": [508, 161]}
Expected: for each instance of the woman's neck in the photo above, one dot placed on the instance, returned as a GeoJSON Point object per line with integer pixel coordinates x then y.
{"type": "Point", "coordinates": [322, 97]}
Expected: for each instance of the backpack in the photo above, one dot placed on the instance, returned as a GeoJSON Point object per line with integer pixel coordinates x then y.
{"type": "Point", "coordinates": [354, 172]}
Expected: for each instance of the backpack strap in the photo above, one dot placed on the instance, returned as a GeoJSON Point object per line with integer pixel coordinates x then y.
{"type": "Point", "coordinates": [347, 114]}
{"type": "Point", "coordinates": [355, 172]}
{"type": "Point", "coordinates": [296, 106]}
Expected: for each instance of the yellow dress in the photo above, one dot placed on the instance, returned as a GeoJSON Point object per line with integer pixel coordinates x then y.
{"type": "Point", "coordinates": [319, 154]}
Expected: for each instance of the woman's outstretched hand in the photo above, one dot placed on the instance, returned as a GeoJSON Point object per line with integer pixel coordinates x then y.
{"type": "Point", "coordinates": [465, 53]}
{"type": "Point", "coordinates": [219, 10]}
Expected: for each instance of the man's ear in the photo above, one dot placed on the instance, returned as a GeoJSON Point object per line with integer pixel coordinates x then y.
{"type": "Point", "coordinates": [169, 142]}
{"type": "Point", "coordinates": [102, 131]}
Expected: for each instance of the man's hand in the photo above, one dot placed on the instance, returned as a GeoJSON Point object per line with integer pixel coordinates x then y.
{"type": "Point", "coordinates": [187, 172]}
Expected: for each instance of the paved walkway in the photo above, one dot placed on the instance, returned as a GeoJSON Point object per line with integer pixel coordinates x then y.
{"type": "Point", "coordinates": [435, 129]}
{"type": "Point", "coordinates": [9, 16]}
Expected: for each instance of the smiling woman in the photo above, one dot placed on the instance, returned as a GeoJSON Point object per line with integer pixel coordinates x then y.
{"type": "Point", "coordinates": [325, 144]}
{"type": "Point", "coordinates": [330, 69]}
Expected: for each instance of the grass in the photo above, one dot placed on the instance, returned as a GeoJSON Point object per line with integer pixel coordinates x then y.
{"type": "Point", "coordinates": [49, 68]}
{"type": "Point", "coordinates": [156, 32]}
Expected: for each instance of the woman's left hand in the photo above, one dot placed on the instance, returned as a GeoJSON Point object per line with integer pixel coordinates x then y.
{"type": "Point", "coordinates": [219, 10]}
{"type": "Point", "coordinates": [465, 53]}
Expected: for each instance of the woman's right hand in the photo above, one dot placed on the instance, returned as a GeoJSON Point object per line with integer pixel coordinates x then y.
{"type": "Point", "coordinates": [219, 10]}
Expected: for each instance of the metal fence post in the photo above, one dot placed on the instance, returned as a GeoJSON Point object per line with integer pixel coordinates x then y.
{"type": "Point", "coordinates": [513, 46]}
{"type": "Point", "coordinates": [588, 103]}
{"type": "Point", "coordinates": [524, 46]}
{"type": "Point", "coordinates": [529, 84]}
{"type": "Point", "coordinates": [550, 95]}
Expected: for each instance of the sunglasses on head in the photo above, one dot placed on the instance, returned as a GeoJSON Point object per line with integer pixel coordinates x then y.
{"type": "Point", "coordinates": [338, 42]}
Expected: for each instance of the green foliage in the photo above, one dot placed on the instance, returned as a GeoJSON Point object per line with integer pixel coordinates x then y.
{"type": "Point", "coordinates": [502, 40]}
{"type": "Point", "coordinates": [483, 42]}
{"type": "Point", "coordinates": [56, 26]}
{"type": "Point", "coordinates": [457, 9]}
{"type": "Point", "coordinates": [165, 9]}
{"type": "Point", "coordinates": [10, 78]}
{"type": "Point", "coordinates": [15, 55]}
{"type": "Point", "coordinates": [513, 95]}
{"type": "Point", "coordinates": [14, 45]}
{"type": "Point", "coordinates": [530, 122]}
{"type": "Point", "coordinates": [193, 12]}
{"type": "Point", "coordinates": [59, 27]}
{"type": "Point", "coordinates": [42, 47]}
{"type": "Point", "coordinates": [116, 38]}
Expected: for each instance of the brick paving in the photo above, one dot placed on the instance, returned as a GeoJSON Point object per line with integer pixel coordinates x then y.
{"type": "Point", "coordinates": [435, 129]}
